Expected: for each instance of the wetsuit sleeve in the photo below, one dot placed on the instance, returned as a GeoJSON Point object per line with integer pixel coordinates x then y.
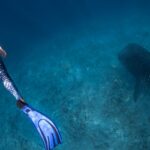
{"type": "Point", "coordinates": [7, 81]}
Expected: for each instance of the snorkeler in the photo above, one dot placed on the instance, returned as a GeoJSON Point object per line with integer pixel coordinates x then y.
{"type": "Point", "coordinates": [46, 128]}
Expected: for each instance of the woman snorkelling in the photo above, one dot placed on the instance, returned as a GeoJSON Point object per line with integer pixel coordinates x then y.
{"type": "Point", "coordinates": [46, 128]}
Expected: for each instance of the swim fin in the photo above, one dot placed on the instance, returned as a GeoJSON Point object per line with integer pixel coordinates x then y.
{"type": "Point", "coordinates": [46, 128]}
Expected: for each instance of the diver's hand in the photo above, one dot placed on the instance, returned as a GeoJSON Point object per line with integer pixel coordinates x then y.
{"type": "Point", "coordinates": [2, 52]}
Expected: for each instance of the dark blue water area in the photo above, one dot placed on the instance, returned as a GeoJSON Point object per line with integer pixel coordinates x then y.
{"type": "Point", "coordinates": [63, 57]}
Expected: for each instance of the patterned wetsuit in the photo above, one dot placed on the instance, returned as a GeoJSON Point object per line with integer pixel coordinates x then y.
{"type": "Point", "coordinates": [8, 82]}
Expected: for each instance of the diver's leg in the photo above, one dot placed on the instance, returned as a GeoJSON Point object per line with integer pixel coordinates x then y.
{"type": "Point", "coordinates": [8, 82]}
{"type": "Point", "coordinates": [46, 128]}
{"type": "Point", "coordinates": [20, 103]}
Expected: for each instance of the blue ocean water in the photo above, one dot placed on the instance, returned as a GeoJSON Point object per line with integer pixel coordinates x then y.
{"type": "Point", "coordinates": [63, 57]}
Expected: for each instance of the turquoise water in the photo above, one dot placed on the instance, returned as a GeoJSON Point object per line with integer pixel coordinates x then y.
{"type": "Point", "coordinates": [63, 56]}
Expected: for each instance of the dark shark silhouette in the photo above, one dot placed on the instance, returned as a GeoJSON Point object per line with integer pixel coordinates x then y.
{"type": "Point", "coordinates": [136, 59]}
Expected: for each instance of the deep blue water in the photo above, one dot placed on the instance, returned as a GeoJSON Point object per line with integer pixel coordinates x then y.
{"type": "Point", "coordinates": [62, 54]}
